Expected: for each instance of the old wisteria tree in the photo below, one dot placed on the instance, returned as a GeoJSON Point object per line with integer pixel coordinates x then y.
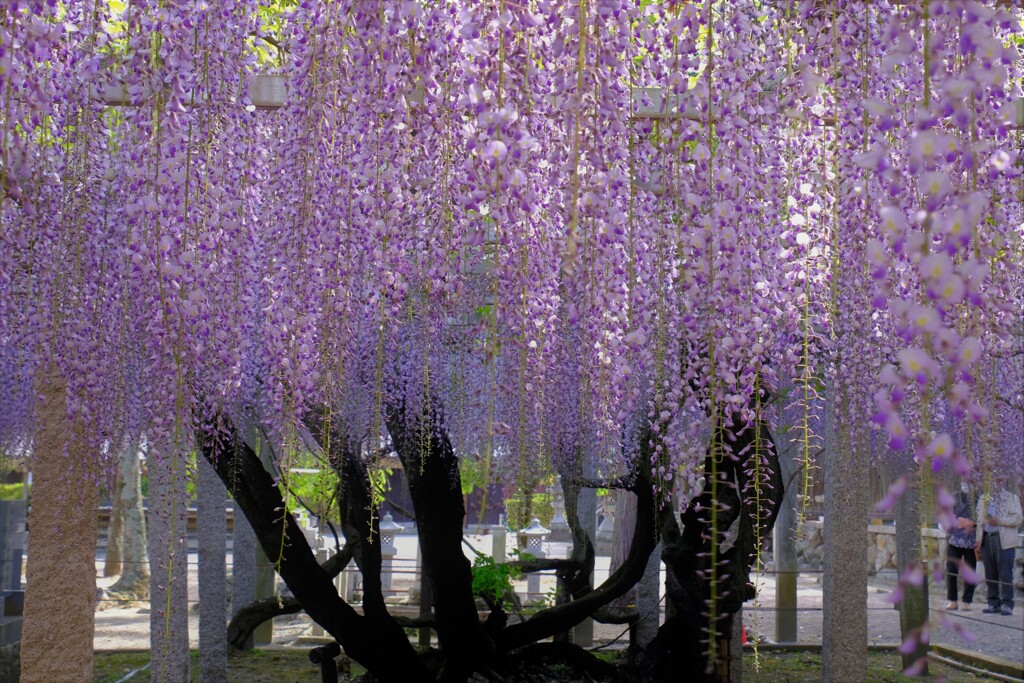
{"type": "Point", "coordinates": [595, 237]}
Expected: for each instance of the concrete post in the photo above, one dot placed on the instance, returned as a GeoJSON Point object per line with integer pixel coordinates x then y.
{"type": "Point", "coordinates": [212, 537]}
{"type": "Point", "coordinates": [786, 568]}
{"type": "Point", "coordinates": [498, 541]}
{"type": "Point", "coordinates": [736, 649]}
{"type": "Point", "coordinates": [844, 649]}
{"type": "Point", "coordinates": [914, 606]}
{"type": "Point", "coordinates": [426, 602]}
{"type": "Point", "coordinates": [60, 595]}
{"type": "Point", "coordinates": [265, 580]}
{"type": "Point", "coordinates": [168, 581]}
{"type": "Point", "coordinates": [243, 565]}
{"type": "Point", "coordinates": [265, 577]}
{"type": "Point", "coordinates": [586, 513]}
{"type": "Point", "coordinates": [321, 557]}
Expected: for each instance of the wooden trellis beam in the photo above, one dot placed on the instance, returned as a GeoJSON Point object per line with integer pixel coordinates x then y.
{"type": "Point", "coordinates": [266, 91]}
{"type": "Point", "coordinates": [270, 92]}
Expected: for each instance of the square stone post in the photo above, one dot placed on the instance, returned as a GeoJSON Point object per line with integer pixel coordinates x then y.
{"type": "Point", "coordinates": [213, 607]}
{"type": "Point", "coordinates": [844, 642]}
{"type": "Point", "coordinates": [60, 596]}
{"type": "Point", "coordinates": [243, 565]}
{"type": "Point", "coordinates": [168, 581]}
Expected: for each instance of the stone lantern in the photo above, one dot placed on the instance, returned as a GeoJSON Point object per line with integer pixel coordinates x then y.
{"type": "Point", "coordinates": [534, 534]}
{"type": "Point", "coordinates": [388, 529]}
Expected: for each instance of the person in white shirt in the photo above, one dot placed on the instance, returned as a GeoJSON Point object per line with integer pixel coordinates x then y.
{"type": "Point", "coordinates": [999, 516]}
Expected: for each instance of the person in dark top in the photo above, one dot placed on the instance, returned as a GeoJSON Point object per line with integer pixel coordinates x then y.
{"type": "Point", "coordinates": [960, 541]}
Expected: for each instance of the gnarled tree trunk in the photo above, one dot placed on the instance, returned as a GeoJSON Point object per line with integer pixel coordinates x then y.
{"type": "Point", "coordinates": [385, 653]}
{"type": "Point", "coordinates": [739, 504]}
{"type": "Point", "coordinates": [435, 486]}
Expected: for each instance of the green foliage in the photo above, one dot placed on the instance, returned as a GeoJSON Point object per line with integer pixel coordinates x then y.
{"type": "Point", "coordinates": [318, 491]}
{"type": "Point", "coordinates": [272, 22]}
{"type": "Point", "coordinates": [12, 491]}
{"type": "Point", "coordinates": [540, 506]}
{"type": "Point", "coordinates": [380, 484]}
{"type": "Point", "coordinates": [472, 473]}
{"type": "Point", "coordinates": [493, 581]}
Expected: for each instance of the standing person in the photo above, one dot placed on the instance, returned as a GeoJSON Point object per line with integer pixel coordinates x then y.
{"type": "Point", "coordinates": [960, 541]}
{"type": "Point", "coordinates": [999, 515]}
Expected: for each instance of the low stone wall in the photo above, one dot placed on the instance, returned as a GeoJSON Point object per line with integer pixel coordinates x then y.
{"type": "Point", "coordinates": [881, 548]}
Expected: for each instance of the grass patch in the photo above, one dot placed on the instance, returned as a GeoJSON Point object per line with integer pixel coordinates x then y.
{"type": "Point", "coordinates": [883, 667]}
{"type": "Point", "coordinates": [255, 666]}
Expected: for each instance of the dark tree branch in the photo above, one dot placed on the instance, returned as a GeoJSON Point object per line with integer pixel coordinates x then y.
{"type": "Point", "coordinates": [249, 618]}
{"type": "Point", "coordinates": [548, 622]}
{"type": "Point", "coordinates": [627, 483]}
{"type": "Point", "coordinates": [432, 470]}
{"type": "Point", "coordinates": [545, 564]}
{"type": "Point", "coordinates": [749, 492]}
{"type": "Point", "coordinates": [259, 497]}
{"type": "Point", "coordinates": [577, 583]}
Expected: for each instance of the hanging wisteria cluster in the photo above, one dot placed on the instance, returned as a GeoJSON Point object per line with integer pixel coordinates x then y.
{"type": "Point", "coordinates": [553, 224]}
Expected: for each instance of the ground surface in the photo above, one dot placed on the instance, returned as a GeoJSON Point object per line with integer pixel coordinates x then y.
{"type": "Point", "coordinates": [883, 667]}
{"type": "Point", "coordinates": [992, 635]}
{"type": "Point", "coordinates": [293, 666]}
{"type": "Point", "coordinates": [259, 666]}
{"type": "Point", "coordinates": [984, 634]}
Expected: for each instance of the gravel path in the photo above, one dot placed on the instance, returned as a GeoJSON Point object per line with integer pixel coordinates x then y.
{"type": "Point", "coordinates": [128, 627]}
{"type": "Point", "coordinates": [994, 635]}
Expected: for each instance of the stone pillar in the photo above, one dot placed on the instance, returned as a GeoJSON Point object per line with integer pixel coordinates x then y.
{"type": "Point", "coordinates": [736, 649]}
{"type": "Point", "coordinates": [321, 557]}
{"type": "Point", "coordinates": [559, 526]}
{"type": "Point", "coordinates": [60, 596]}
{"type": "Point", "coordinates": [168, 582]}
{"type": "Point", "coordinates": [12, 543]}
{"type": "Point", "coordinates": [586, 512]}
{"type": "Point", "coordinates": [648, 599]}
{"type": "Point", "coordinates": [844, 648]}
{"type": "Point", "coordinates": [604, 544]}
{"type": "Point", "coordinates": [914, 606]}
{"type": "Point", "coordinates": [264, 573]}
{"type": "Point", "coordinates": [243, 565]}
{"type": "Point", "coordinates": [213, 606]}
{"type": "Point", "coordinates": [785, 562]}
{"type": "Point", "coordinates": [134, 580]}
{"type": "Point", "coordinates": [265, 580]}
